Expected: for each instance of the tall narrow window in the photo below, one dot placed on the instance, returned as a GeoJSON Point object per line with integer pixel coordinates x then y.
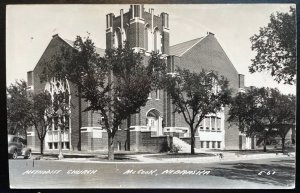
{"type": "Point", "coordinates": [172, 64]}
{"type": "Point", "coordinates": [50, 145]}
{"type": "Point", "coordinates": [213, 144]}
{"type": "Point", "coordinates": [157, 94]}
{"type": "Point", "coordinates": [124, 35]}
{"type": "Point", "coordinates": [157, 40]}
{"type": "Point", "coordinates": [201, 124]}
{"type": "Point", "coordinates": [147, 34]}
{"type": "Point", "coordinates": [207, 123]}
{"type": "Point", "coordinates": [207, 144]}
{"type": "Point", "coordinates": [117, 38]}
{"type": "Point", "coordinates": [218, 123]}
{"type": "Point", "coordinates": [213, 123]}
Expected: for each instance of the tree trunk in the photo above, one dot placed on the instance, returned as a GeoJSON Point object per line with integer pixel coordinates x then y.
{"type": "Point", "coordinates": [192, 141]}
{"type": "Point", "coordinates": [25, 135]}
{"type": "Point", "coordinates": [79, 119]}
{"type": "Point", "coordinates": [283, 143]}
{"type": "Point", "coordinates": [128, 133]}
{"type": "Point", "coordinates": [110, 148]}
{"type": "Point", "coordinates": [265, 145]}
{"type": "Point", "coordinates": [42, 146]}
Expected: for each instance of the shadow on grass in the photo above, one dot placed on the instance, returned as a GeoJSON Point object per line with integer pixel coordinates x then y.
{"type": "Point", "coordinates": [287, 161]}
{"type": "Point", "coordinates": [284, 174]}
{"type": "Point", "coordinates": [116, 159]}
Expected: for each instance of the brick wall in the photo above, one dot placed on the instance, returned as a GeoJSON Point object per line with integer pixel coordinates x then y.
{"type": "Point", "coordinates": [139, 141]}
{"type": "Point", "coordinates": [145, 143]}
{"type": "Point", "coordinates": [86, 141]}
{"type": "Point", "coordinates": [231, 133]}
{"type": "Point", "coordinates": [188, 140]}
{"type": "Point", "coordinates": [241, 81]}
{"type": "Point", "coordinates": [135, 31]}
{"type": "Point", "coordinates": [54, 48]}
{"type": "Point", "coordinates": [209, 54]}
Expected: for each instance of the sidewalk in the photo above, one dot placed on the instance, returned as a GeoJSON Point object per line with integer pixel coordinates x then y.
{"type": "Point", "coordinates": [128, 157]}
{"type": "Point", "coordinates": [146, 158]}
{"type": "Point", "coordinates": [226, 158]}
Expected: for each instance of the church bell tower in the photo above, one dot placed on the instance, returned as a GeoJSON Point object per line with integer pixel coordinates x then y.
{"type": "Point", "coordinates": [143, 30]}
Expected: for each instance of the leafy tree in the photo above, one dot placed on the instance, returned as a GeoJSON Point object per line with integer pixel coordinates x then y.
{"type": "Point", "coordinates": [18, 108]}
{"type": "Point", "coordinates": [196, 95]}
{"type": "Point", "coordinates": [260, 112]}
{"type": "Point", "coordinates": [115, 85]}
{"type": "Point", "coordinates": [275, 47]}
{"type": "Point", "coordinates": [41, 115]}
{"type": "Point", "coordinates": [286, 115]}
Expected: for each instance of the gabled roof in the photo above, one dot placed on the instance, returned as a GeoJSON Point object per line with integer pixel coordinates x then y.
{"type": "Point", "coordinates": [181, 48]}
{"type": "Point", "coordinates": [99, 51]}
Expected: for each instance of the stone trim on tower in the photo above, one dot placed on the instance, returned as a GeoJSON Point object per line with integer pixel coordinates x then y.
{"type": "Point", "coordinates": [144, 31]}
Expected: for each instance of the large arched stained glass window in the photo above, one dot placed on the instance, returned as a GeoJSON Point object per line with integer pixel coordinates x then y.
{"type": "Point", "coordinates": [60, 95]}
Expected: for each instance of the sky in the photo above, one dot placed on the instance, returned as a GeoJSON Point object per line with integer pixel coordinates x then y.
{"type": "Point", "coordinates": [29, 29]}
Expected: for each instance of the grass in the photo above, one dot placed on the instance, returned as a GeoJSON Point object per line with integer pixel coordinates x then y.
{"type": "Point", "coordinates": [270, 149]}
{"type": "Point", "coordinates": [180, 155]}
{"type": "Point", "coordinates": [119, 157]}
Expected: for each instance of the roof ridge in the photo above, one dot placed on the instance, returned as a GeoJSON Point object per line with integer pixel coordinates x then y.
{"type": "Point", "coordinates": [183, 47]}
{"type": "Point", "coordinates": [191, 46]}
{"type": "Point", "coordinates": [100, 51]}
{"type": "Point", "coordinates": [186, 41]}
{"type": "Point", "coordinates": [69, 41]}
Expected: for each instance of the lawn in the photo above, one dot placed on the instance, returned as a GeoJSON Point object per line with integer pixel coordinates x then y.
{"type": "Point", "coordinates": [180, 155]}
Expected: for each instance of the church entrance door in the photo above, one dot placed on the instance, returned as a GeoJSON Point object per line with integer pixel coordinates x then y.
{"type": "Point", "coordinates": [154, 122]}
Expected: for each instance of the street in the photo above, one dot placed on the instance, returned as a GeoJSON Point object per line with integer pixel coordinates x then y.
{"type": "Point", "coordinates": [262, 173]}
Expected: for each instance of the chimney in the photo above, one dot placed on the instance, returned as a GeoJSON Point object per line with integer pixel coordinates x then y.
{"type": "Point", "coordinates": [30, 78]}
{"type": "Point", "coordinates": [152, 15]}
{"type": "Point", "coordinates": [165, 20]}
{"type": "Point", "coordinates": [241, 81]}
{"type": "Point", "coordinates": [109, 20]}
{"type": "Point", "coordinates": [137, 10]}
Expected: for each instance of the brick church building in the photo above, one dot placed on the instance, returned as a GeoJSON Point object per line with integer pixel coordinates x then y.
{"type": "Point", "coordinates": [156, 124]}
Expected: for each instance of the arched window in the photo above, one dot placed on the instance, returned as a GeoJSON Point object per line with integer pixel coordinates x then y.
{"type": "Point", "coordinates": [117, 38]}
{"type": "Point", "coordinates": [157, 40]}
{"type": "Point", "coordinates": [215, 86]}
{"type": "Point", "coordinates": [59, 90]}
{"type": "Point", "coordinates": [125, 33]}
{"type": "Point", "coordinates": [147, 38]}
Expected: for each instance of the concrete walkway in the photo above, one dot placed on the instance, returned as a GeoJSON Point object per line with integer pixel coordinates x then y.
{"type": "Point", "coordinates": [226, 157]}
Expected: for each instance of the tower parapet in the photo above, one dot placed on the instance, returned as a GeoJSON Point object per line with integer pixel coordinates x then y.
{"type": "Point", "coordinates": [143, 30]}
